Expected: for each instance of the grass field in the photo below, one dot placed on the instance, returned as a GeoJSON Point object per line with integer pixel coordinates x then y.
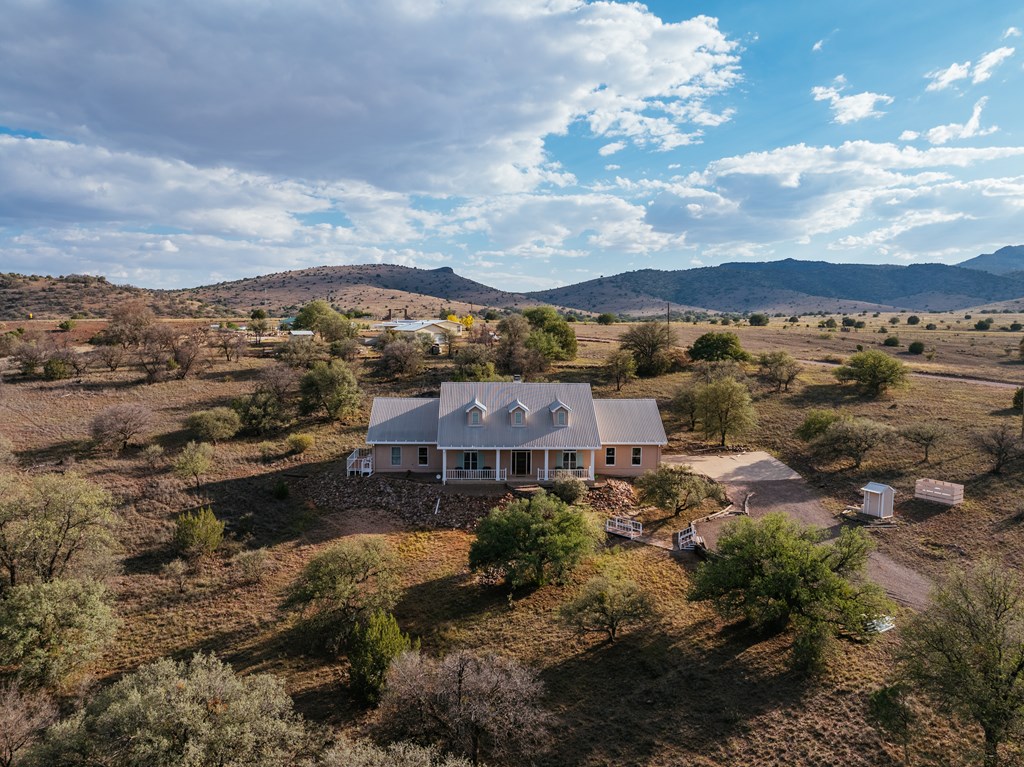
{"type": "Point", "coordinates": [691, 690]}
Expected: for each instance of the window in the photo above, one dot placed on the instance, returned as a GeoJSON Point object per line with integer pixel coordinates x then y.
{"type": "Point", "coordinates": [422, 456]}
{"type": "Point", "coordinates": [561, 418]}
{"type": "Point", "coordinates": [471, 460]}
{"type": "Point", "coordinates": [517, 418]}
{"type": "Point", "coordinates": [396, 456]}
{"type": "Point", "coordinates": [638, 456]}
{"type": "Point", "coordinates": [609, 456]}
{"type": "Point", "coordinates": [569, 459]}
{"type": "Point", "coordinates": [474, 418]}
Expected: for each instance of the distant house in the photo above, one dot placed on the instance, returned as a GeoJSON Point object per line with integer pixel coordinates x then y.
{"type": "Point", "coordinates": [436, 329]}
{"type": "Point", "coordinates": [512, 431]}
{"type": "Point", "coordinates": [300, 334]}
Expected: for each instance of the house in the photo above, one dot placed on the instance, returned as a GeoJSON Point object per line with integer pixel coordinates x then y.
{"type": "Point", "coordinates": [292, 334]}
{"type": "Point", "coordinates": [436, 329]}
{"type": "Point", "coordinates": [509, 431]}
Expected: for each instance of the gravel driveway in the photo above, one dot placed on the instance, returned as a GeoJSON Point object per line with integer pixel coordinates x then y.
{"type": "Point", "coordinates": [773, 486]}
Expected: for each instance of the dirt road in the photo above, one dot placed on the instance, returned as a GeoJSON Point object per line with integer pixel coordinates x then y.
{"type": "Point", "coordinates": [773, 486]}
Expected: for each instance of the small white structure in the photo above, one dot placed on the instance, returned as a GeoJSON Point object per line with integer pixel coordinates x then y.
{"type": "Point", "coordinates": [624, 526]}
{"type": "Point", "coordinates": [300, 333]}
{"type": "Point", "coordinates": [878, 500]}
{"type": "Point", "coordinates": [946, 493]}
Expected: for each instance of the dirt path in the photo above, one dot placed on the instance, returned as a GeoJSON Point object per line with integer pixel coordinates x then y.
{"type": "Point", "coordinates": [934, 376]}
{"type": "Point", "coordinates": [773, 486]}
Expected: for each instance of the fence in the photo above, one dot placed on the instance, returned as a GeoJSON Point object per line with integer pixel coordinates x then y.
{"type": "Point", "coordinates": [624, 526]}
{"type": "Point", "coordinates": [360, 462]}
{"type": "Point", "coordinates": [476, 475]}
{"type": "Point", "coordinates": [947, 493]}
{"type": "Point", "coordinates": [552, 474]}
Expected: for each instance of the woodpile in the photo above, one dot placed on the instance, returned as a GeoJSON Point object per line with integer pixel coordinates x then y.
{"type": "Point", "coordinates": [415, 503]}
{"type": "Point", "coordinates": [614, 498]}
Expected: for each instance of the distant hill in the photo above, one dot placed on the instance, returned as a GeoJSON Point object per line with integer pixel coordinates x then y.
{"type": "Point", "coordinates": [1003, 261]}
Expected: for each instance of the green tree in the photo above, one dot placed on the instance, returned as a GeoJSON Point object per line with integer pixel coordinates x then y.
{"type": "Point", "coordinates": [873, 371]}
{"type": "Point", "coordinates": [774, 570]}
{"type": "Point", "coordinates": [532, 540]}
{"type": "Point", "coordinates": [779, 368]}
{"type": "Point", "coordinates": [852, 438]}
{"type": "Point", "coordinates": [310, 314]}
{"type": "Point", "coordinates": [758, 320]}
{"type": "Point", "coordinates": [685, 404]}
{"type": "Point", "coordinates": [259, 327]}
{"type": "Point", "coordinates": [335, 327]}
{"type": "Point", "coordinates": [925, 435]}
{"type": "Point", "coordinates": [607, 318]}
{"type": "Point", "coordinates": [621, 367]}
{"type": "Point", "coordinates": [403, 357]}
{"type": "Point", "coordinates": [651, 344]}
{"type": "Point", "coordinates": [607, 604]}
{"type": "Point", "coordinates": [512, 354]}
{"type": "Point", "coordinates": [330, 387]}
{"type": "Point", "coordinates": [343, 585]}
{"type": "Point", "coordinates": [50, 630]}
{"type": "Point", "coordinates": [258, 314]}
{"type": "Point", "coordinates": [215, 424]}
{"type": "Point", "coordinates": [473, 362]}
{"type": "Point", "coordinates": [194, 461]}
{"type": "Point", "coordinates": [676, 489]}
{"type": "Point", "coordinates": [816, 423]}
{"type": "Point", "coordinates": [551, 332]}
{"type": "Point", "coordinates": [53, 526]}
{"type": "Point", "coordinates": [717, 346]}
{"type": "Point", "coordinates": [375, 644]}
{"type": "Point", "coordinates": [966, 651]}
{"type": "Point", "coordinates": [725, 410]}
{"type": "Point", "coordinates": [190, 713]}
{"type": "Point", "coordinates": [916, 347]}
{"type": "Point", "coordinates": [198, 533]}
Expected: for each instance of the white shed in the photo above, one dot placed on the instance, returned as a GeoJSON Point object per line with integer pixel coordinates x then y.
{"type": "Point", "coordinates": [878, 500]}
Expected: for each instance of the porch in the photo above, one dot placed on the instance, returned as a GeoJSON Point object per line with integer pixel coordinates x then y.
{"type": "Point", "coordinates": [515, 465]}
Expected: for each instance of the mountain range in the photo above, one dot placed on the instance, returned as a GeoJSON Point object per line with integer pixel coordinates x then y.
{"type": "Point", "coordinates": [788, 286]}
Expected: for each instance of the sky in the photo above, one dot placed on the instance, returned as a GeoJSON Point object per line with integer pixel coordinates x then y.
{"type": "Point", "coordinates": [524, 143]}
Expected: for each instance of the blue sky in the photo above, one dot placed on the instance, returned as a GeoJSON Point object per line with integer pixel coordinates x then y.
{"type": "Point", "coordinates": [525, 144]}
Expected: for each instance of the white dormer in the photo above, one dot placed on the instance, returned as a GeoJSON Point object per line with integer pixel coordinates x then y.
{"type": "Point", "coordinates": [517, 413]}
{"type": "Point", "coordinates": [560, 413]}
{"type": "Point", "coordinates": [475, 413]}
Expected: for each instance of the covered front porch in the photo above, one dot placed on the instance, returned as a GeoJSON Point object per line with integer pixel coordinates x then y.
{"type": "Point", "coordinates": [515, 465]}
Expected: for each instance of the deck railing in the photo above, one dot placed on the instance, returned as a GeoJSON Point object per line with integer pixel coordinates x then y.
{"type": "Point", "coordinates": [551, 475]}
{"type": "Point", "coordinates": [360, 462]}
{"type": "Point", "coordinates": [476, 475]}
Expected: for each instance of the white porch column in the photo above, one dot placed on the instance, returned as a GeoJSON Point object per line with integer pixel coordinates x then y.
{"type": "Point", "coordinates": [546, 454]}
{"type": "Point", "coordinates": [497, 464]}
{"type": "Point", "coordinates": [444, 467]}
{"type": "Point", "coordinates": [591, 465]}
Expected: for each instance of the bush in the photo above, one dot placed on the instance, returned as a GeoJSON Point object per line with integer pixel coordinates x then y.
{"type": "Point", "coordinates": [281, 490]}
{"type": "Point", "coordinates": [375, 645]}
{"type": "Point", "coordinates": [852, 438]}
{"type": "Point", "coordinates": [608, 604]}
{"type": "Point", "coordinates": [758, 320]}
{"type": "Point", "coordinates": [177, 572]}
{"type": "Point", "coordinates": [913, 319]}
{"type": "Point", "coordinates": [330, 387]}
{"type": "Point", "coordinates": [194, 460]}
{"type": "Point", "coordinates": [1018, 398]}
{"type": "Point", "coordinates": [650, 344]}
{"type": "Point", "coordinates": [916, 347]}
{"type": "Point", "coordinates": [874, 371]}
{"type": "Point", "coordinates": [816, 423]}
{"type": "Point", "coordinates": [532, 541]}
{"type": "Point", "coordinates": [403, 357]}
{"type": "Point", "coordinates": [119, 425]}
{"type": "Point", "coordinates": [198, 533]}
{"type": "Point", "coordinates": [252, 566]}
{"type": "Point", "coordinates": [300, 443]}
{"type": "Point", "coordinates": [891, 341]}
{"type": "Point", "coordinates": [606, 319]}
{"type": "Point", "coordinates": [931, 326]}
{"type": "Point", "coordinates": [813, 647]}
{"type": "Point", "coordinates": [569, 489]}
{"type": "Point", "coordinates": [50, 630]}
{"type": "Point", "coordinates": [57, 369]}
{"type": "Point", "coordinates": [717, 346]}
{"type": "Point", "coordinates": [23, 717]}
{"type": "Point", "coordinates": [676, 489]}
{"type": "Point", "coordinates": [216, 424]}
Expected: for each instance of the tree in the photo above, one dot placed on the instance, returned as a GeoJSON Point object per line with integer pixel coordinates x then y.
{"type": "Point", "coordinates": [685, 403]}
{"type": "Point", "coordinates": [194, 460]}
{"type": "Point", "coordinates": [473, 363]}
{"type": "Point", "coordinates": [376, 642]}
{"type": "Point", "coordinates": [347, 753]}
{"type": "Point", "coordinates": [717, 346]}
{"type": "Point", "coordinates": [816, 423]}
{"type": "Point", "coordinates": [330, 387]}
{"type": "Point", "coordinates": [53, 526]}
{"type": "Point", "coordinates": [129, 321]}
{"type": "Point", "coordinates": [621, 367]}
{"type": "Point", "coordinates": [724, 409]}
{"type": "Point", "coordinates": [197, 712]}
{"type": "Point", "coordinates": [852, 438]}
{"type": "Point", "coordinates": [1003, 444]}
{"type": "Point", "coordinates": [532, 540]}
{"type": "Point", "coordinates": [119, 425]}
{"type": "Point", "coordinates": [111, 355]}
{"type": "Point", "coordinates": [780, 368]}
{"type": "Point", "coordinates": [259, 327]}
{"type": "Point", "coordinates": [216, 424]}
{"type": "Point", "coordinates": [154, 352]}
{"type": "Point", "coordinates": [232, 343]}
{"type": "Point", "coordinates": [607, 318]}
{"type": "Point", "coordinates": [676, 489]}
{"type": "Point", "coordinates": [966, 651]}
{"type": "Point", "coordinates": [49, 630]}
{"type": "Point", "coordinates": [343, 585]}
{"type": "Point", "coordinates": [304, 352]}
{"type": "Point", "coordinates": [23, 717]}
{"type": "Point", "coordinates": [758, 320]}
{"type": "Point", "coordinates": [403, 357]}
{"type": "Point", "coordinates": [308, 316]}
{"type": "Point", "coordinates": [874, 371]}
{"type": "Point", "coordinates": [187, 349]}
{"type": "Point", "coordinates": [889, 710]}
{"type": "Point", "coordinates": [774, 570]}
{"type": "Point", "coordinates": [478, 705]}
{"type": "Point", "coordinates": [607, 604]}
{"type": "Point", "coordinates": [651, 344]}
{"type": "Point", "coordinates": [335, 327]}
{"type": "Point", "coordinates": [550, 332]}
{"type": "Point", "coordinates": [512, 355]}
{"type": "Point", "coordinates": [913, 319]}
{"type": "Point", "coordinates": [924, 435]}
{"type": "Point", "coordinates": [198, 533]}
{"type": "Point", "coordinates": [916, 347]}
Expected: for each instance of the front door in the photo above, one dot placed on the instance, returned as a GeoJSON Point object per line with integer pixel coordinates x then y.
{"type": "Point", "coordinates": [521, 463]}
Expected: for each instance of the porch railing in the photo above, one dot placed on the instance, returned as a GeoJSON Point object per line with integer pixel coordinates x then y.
{"type": "Point", "coordinates": [551, 475]}
{"type": "Point", "coordinates": [360, 462]}
{"type": "Point", "coordinates": [476, 475]}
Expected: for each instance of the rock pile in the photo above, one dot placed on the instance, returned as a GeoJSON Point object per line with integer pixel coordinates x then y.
{"type": "Point", "coordinates": [614, 498]}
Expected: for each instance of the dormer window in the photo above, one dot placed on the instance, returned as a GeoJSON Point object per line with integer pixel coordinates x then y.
{"type": "Point", "coordinates": [562, 417]}
{"type": "Point", "coordinates": [560, 413]}
{"type": "Point", "coordinates": [475, 413]}
{"type": "Point", "coordinates": [518, 412]}
{"type": "Point", "coordinates": [474, 417]}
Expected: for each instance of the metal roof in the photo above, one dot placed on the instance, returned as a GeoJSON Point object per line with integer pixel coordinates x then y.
{"type": "Point", "coordinates": [397, 420]}
{"type": "Point", "coordinates": [876, 487]}
{"type": "Point", "coordinates": [629, 422]}
{"type": "Point", "coordinates": [414, 326]}
{"type": "Point", "coordinates": [540, 431]}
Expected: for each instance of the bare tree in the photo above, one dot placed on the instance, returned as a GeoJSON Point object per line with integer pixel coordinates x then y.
{"type": "Point", "coordinates": [118, 425]}
{"type": "Point", "coordinates": [23, 716]}
{"type": "Point", "coordinates": [1003, 444]}
{"type": "Point", "coordinates": [111, 355]}
{"type": "Point", "coordinates": [231, 344]}
{"type": "Point", "coordinates": [779, 368]}
{"type": "Point", "coordinates": [129, 322]}
{"type": "Point", "coordinates": [924, 435]}
{"type": "Point", "coordinates": [154, 350]}
{"type": "Point", "coordinates": [479, 705]}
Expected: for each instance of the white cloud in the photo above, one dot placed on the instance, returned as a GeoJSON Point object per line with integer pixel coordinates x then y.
{"type": "Point", "coordinates": [943, 134]}
{"type": "Point", "coordinates": [818, 46]}
{"type": "Point", "coordinates": [612, 166]}
{"type": "Point", "coordinates": [847, 109]}
{"type": "Point", "coordinates": [612, 148]}
{"type": "Point", "coordinates": [909, 135]}
{"type": "Point", "coordinates": [983, 69]}
{"type": "Point", "coordinates": [1011, 32]}
{"type": "Point", "coordinates": [943, 78]}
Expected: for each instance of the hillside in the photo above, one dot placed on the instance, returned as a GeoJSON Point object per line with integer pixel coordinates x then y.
{"type": "Point", "coordinates": [1003, 261]}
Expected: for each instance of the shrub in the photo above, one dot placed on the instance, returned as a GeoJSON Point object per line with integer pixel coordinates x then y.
{"type": "Point", "coordinates": [56, 369]}
{"type": "Point", "coordinates": [608, 604]}
{"type": "Point", "coordinates": [874, 371]}
{"type": "Point", "coordinates": [281, 490]}
{"type": "Point", "coordinates": [813, 647]}
{"type": "Point", "coordinates": [931, 326]}
{"type": "Point", "coordinates": [66, 325]}
{"type": "Point", "coordinates": [119, 425]}
{"type": "Point", "coordinates": [23, 717]}
{"type": "Point", "coordinates": [606, 319]}
{"type": "Point", "coordinates": [780, 368]}
{"type": "Point", "coordinates": [816, 423]}
{"type": "Point", "coordinates": [215, 424]}
{"type": "Point", "coordinates": [50, 630]}
{"type": "Point", "coordinates": [1018, 398]}
{"type": "Point", "coordinates": [194, 460]}
{"type": "Point", "coordinates": [717, 346]}
{"type": "Point", "coordinates": [758, 320]}
{"type": "Point", "coordinates": [913, 319]}
{"type": "Point", "coordinates": [650, 344]}
{"type": "Point", "coordinates": [676, 489]}
{"type": "Point", "coordinates": [916, 347]}
{"type": "Point", "coordinates": [331, 388]}
{"type": "Point", "coordinates": [300, 443]}
{"type": "Point", "coordinates": [153, 456]}
{"type": "Point", "coordinates": [375, 645]}
{"type": "Point", "coordinates": [403, 357]}
{"type": "Point", "coordinates": [891, 341]}
{"type": "Point", "coordinates": [252, 566]}
{"type": "Point", "coordinates": [177, 572]}
{"type": "Point", "coordinates": [198, 533]}
{"type": "Point", "coordinates": [852, 438]}
{"type": "Point", "coordinates": [569, 489]}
